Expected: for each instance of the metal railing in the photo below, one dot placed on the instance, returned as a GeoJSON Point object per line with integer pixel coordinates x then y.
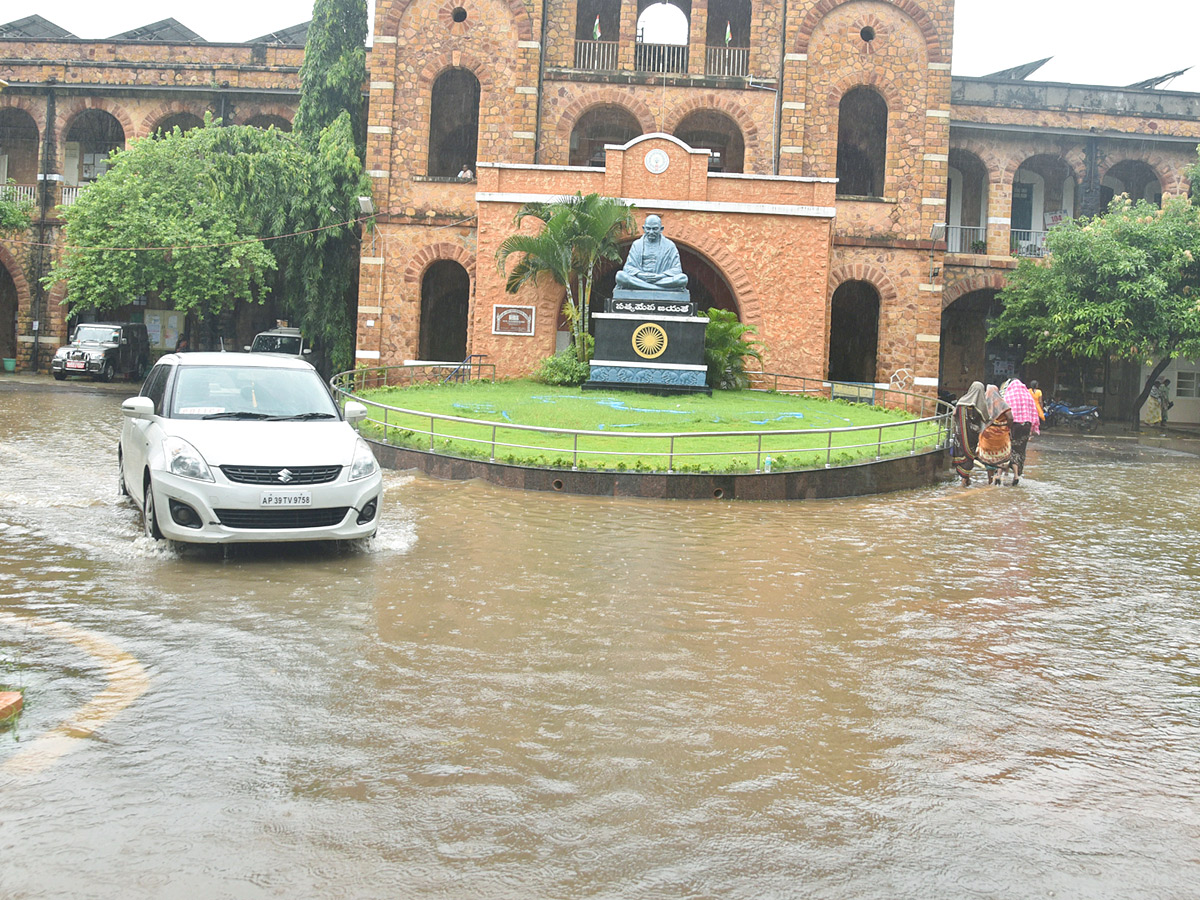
{"type": "Point", "coordinates": [733, 61]}
{"type": "Point", "coordinates": [664, 59]}
{"type": "Point", "coordinates": [1029, 243]}
{"type": "Point", "coordinates": [19, 193]}
{"type": "Point", "coordinates": [70, 193]}
{"type": "Point", "coordinates": [568, 448]}
{"type": "Point", "coordinates": [596, 56]}
{"type": "Point", "coordinates": [966, 239]}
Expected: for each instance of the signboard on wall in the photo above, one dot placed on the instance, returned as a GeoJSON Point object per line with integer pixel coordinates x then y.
{"type": "Point", "coordinates": [516, 320]}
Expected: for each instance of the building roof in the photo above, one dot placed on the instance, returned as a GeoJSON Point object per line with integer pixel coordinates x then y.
{"type": "Point", "coordinates": [168, 31]}
{"type": "Point", "coordinates": [34, 28]}
{"type": "Point", "coordinates": [296, 36]}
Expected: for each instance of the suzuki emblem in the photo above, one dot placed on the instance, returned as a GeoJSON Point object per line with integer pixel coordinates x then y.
{"type": "Point", "coordinates": [285, 476]}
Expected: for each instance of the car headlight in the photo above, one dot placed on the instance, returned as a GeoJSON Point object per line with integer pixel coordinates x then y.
{"type": "Point", "coordinates": [185, 460]}
{"type": "Point", "coordinates": [364, 461]}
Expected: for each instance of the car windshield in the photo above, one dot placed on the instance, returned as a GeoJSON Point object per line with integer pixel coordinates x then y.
{"type": "Point", "coordinates": [101, 334]}
{"type": "Point", "coordinates": [250, 392]}
{"type": "Point", "coordinates": [277, 343]}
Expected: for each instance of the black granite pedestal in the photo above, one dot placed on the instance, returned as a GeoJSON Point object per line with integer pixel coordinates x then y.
{"type": "Point", "coordinates": [649, 341]}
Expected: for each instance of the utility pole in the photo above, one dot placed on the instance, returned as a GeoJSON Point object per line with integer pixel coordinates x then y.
{"type": "Point", "coordinates": [46, 182]}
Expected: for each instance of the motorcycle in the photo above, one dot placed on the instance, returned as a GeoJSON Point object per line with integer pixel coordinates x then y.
{"type": "Point", "coordinates": [1084, 418]}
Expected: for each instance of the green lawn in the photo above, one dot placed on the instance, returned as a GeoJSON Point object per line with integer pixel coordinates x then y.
{"type": "Point", "coordinates": [619, 415]}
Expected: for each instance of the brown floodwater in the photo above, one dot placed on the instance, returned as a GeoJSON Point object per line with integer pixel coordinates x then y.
{"type": "Point", "coordinates": [943, 693]}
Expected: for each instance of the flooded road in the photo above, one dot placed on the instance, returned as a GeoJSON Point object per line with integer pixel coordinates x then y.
{"type": "Point", "coordinates": [944, 693]}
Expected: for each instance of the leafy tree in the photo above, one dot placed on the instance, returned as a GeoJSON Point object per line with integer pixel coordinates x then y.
{"type": "Point", "coordinates": [161, 222]}
{"type": "Point", "coordinates": [1124, 285]}
{"type": "Point", "coordinates": [334, 69]}
{"type": "Point", "coordinates": [14, 215]}
{"type": "Point", "coordinates": [578, 234]}
{"type": "Point", "coordinates": [726, 349]}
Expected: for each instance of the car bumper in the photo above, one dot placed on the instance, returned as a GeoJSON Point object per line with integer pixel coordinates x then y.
{"type": "Point", "coordinates": [233, 513]}
{"type": "Point", "coordinates": [91, 368]}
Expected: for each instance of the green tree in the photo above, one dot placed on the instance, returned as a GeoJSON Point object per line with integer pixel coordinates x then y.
{"type": "Point", "coordinates": [726, 349]}
{"type": "Point", "coordinates": [578, 234]}
{"type": "Point", "coordinates": [161, 222]}
{"type": "Point", "coordinates": [14, 215]}
{"type": "Point", "coordinates": [1123, 285]}
{"type": "Point", "coordinates": [334, 69]}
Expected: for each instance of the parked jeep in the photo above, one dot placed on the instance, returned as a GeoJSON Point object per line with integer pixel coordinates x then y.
{"type": "Point", "coordinates": [104, 351]}
{"type": "Point", "coordinates": [279, 340]}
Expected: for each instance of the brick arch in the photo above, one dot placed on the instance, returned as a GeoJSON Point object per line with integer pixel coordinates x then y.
{"type": "Point", "coordinates": [26, 104]}
{"type": "Point", "coordinates": [68, 114]}
{"type": "Point", "coordinates": [873, 275]}
{"type": "Point", "coordinates": [969, 285]}
{"type": "Point", "coordinates": [728, 264]}
{"type": "Point", "coordinates": [171, 108]}
{"type": "Point", "coordinates": [1155, 160]}
{"type": "Point", "coordinates": [882, 82]}
{"type": "Point", "coordinates": [604, 97]}
{"type": "Point", "coordinates": [431, 253]}
{"type": "Point", "coordinates": [280, 110]}
{"type": "Point", "coordinates": [713, 102]}
{"type": "Point", "coordinates": [992, 163]}
{"type": "Point", "coordinates": [1015, 163]}
{"type": "Point", "coordinates": [17, 272]}
{"type": "Point", "coordinates": [933, 41]}
{"type": "Point", "coordinates": [457, 59]}
{"type": "Point", "coordinates": [520, 17]}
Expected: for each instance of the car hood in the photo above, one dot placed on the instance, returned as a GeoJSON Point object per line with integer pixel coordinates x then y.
{"type": "Point", "coordinates": [319, 443]}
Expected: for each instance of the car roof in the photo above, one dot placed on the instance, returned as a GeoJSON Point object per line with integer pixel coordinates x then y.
{"type": "Point", "coordinates": [238, 360]}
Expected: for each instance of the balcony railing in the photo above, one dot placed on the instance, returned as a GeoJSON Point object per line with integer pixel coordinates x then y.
{"type": "Point", "coordinates": [966, 239]}
{"type": "Point", "coordinates": [19, 193]}
{"type": "Point", "coordinates": [596, 56]}
{"type": "Point", "coordinates": [663, 59]}
{"type": "Point", "coordinates": [734, 61]}
{"type": "Point", "coordinates": [1029, 243]}
{"type": "Point", "coordinates": [70, 193]}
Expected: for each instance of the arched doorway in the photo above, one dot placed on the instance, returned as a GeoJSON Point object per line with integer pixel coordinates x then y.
{"type": "Point", "coordinates": [854, 332]}
{"type": "Point", "coordinates": [862, 143]}
{"type": "Point", "coordinates": [598, 126]}
{"type": "Point", "coordinates": [708, 286]}
{"type": "Point", "coordinates": [707, 129]}
{"type": "Point", "coordinates": [453, 123]}
{"type": "Point", "coordinates": [1132, 177]}
{"type": "Point", "coordinates": [965, 353]}
{"type": "Point", "coordinates": [8, 315]}
{"type": "Point", "coordinates": [91, 138]}
{"type": "Point", "coordinates": [445, 300]}
{"type": "Point", "coordinates": [185, 121]}
{"type": "Point", "coordinates": [18, 147]}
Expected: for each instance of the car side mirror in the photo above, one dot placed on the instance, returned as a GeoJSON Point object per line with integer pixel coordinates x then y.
{"type": "Point", "coordinates": [246, 347]}
{"type": "Point", "coordinates": [124, 341]}
{"type": "Point", "coordinates": [306, 351]}
{"type": "Point", "coordinates": [355, 412]}
{"type": "Point", "coordinates": [138, 408]}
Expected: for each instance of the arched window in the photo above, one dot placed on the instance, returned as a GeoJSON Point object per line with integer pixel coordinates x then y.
{"type": "Point", "coordinates": [662, 37]}
{"type": "Point", "coordinates": [265, 121]}
{"type": "Point", "coordinates": [453, 123]}
{"type": "Point", "coordinates": [598, 126]}
{"type": "Point", "coordinates": [445, 299]}
{"type": "Point", "coordinates": [862, 143]}
{"type": "Point", "coordinates": [966, 204]}
{"type": "Point", "coordinates": [1132, 177]}
{"type": "Point", "coordinates": [707, 129]}
{"type": "Point", "coordinates": [728, 39]}
{"type": "Point", "coordinates": [18, 147]}
{"type": "Point", "coordinates": [854, 332]}
{"type": "Point", "coordinates": [91, 138]}
{"type": "Point", "coordinates": [1043, 194]}
{"type": "Point", "coordinates": [185, 121]}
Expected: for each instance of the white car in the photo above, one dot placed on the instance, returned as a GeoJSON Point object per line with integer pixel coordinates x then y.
{"type": "Point", "coordinates": [224, 447]}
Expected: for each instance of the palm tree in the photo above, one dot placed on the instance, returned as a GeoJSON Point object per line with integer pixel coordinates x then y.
{"type": "Point", "coordinates": [578, 234]}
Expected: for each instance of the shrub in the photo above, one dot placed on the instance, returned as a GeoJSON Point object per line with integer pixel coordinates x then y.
{"type": "Point", "coordinates": [563, 369]}
{"type": "Point", "coordinates": [726, 348]}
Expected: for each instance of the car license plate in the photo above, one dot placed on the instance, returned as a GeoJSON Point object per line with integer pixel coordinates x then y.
{"type": "Point", "coordinates": [286, 498]}
{"type": "Point", "coordinates": [76, 365]}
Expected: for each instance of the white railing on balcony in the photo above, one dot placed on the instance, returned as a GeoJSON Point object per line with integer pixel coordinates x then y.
{"type": "Point", "coordinates": [596, 56]}
{"type": "Point", "coordinates": [733, 61]}
{"type": "Point", "coordinates": [665, 59]}
{"type": "Point", "coordinates": [966, 239]}
{"type": "Point", "coordinates": [19, 193]}
{"type": "Point", "coordinates": [70, 193]}
{"type": "Point", "coordinates": [1029, 243]}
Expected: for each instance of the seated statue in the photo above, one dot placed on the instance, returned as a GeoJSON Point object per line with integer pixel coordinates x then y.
{"type": "Point", "coordinates": [653, 262]}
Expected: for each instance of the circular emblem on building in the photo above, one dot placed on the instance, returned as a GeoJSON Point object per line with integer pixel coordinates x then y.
{"type": "Point", "coordinates": [649, 341]}
{"type": "Point", "coordinates": [657, 161]}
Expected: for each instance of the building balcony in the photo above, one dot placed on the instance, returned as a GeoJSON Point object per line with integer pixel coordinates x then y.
{"type": "Point", "coordinates": [596, 56]}
{"type": "Point", "coordinates": [727, 61]}
{"type": "Point", "coordinates": [661, 59]}
{"type": "Point", "coordinates": [1028, 243]}
{"type": "Point", "coordinates": [966, 239]}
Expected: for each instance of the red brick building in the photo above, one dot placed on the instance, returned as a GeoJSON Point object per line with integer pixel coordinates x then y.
{"type": "Point", "coordinates": [826, 176]}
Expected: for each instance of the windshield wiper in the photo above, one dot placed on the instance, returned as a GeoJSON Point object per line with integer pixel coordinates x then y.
{"type": "Point", "coordinates": [300, 416]}
{"type": "Point", "coordinates": [237, 415]}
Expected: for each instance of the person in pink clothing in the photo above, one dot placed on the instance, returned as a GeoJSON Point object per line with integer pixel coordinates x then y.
{"type": "Point", "coordinates": [1025, 422]}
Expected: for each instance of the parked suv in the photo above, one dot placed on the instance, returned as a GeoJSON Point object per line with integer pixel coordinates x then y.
{"type": "Point", "coordinates": [288, 341]}
{"type": "Point", "coordinates": [104, 351]}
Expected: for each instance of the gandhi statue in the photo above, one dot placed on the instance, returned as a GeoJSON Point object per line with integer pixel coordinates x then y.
{"type": "Point", "coordinates": [653, 262]}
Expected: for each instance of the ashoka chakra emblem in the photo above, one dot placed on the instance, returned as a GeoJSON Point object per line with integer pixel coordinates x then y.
{"type": "Point", "coordinates": [649, 341]}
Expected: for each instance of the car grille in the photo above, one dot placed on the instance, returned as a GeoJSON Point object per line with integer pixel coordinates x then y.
{"type": "Point", "coordinates": [270, 474]}
{"type": "Point", "coordinates": [282, 518]}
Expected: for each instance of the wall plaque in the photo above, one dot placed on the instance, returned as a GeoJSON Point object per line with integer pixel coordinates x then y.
{"type": "Point", "coordinates": [657, 161]}
{"type": "Point", "coordinates": [512, 319]}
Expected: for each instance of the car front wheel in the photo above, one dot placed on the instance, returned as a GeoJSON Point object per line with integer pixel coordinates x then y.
{"type": "Point", "coordinates": [59, 374]}
{"type": "Point", "coordinates": [121, 489]}
{"type": "Point", "coordinates": [149, 514]}
{"type": "Point", "coordinates": [106, 373]}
